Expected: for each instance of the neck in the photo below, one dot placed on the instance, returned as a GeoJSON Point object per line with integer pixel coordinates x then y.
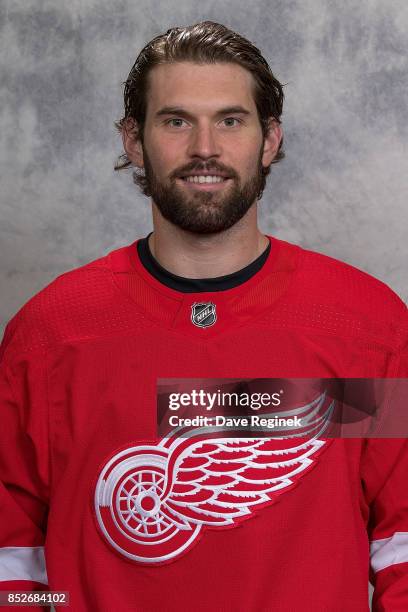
{"type": "Point", "coordinates": [206, 255]}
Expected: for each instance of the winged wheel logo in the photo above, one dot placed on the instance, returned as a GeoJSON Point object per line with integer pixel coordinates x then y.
{"type": "Point", "coordinates": [153, 501]}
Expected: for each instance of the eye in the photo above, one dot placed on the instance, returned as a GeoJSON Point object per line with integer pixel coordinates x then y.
{"type": "Point", "coordinates": [232, 119]}
{"type": "Point", "coordinates": [168, 122]}
{"type": "Point", "coordinates": [174, 119]}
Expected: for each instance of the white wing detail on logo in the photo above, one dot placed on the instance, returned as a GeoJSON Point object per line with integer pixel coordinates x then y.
{"type": "Point", "coordinates": [152, 501]}
{"type": "Point", "coordinates": [216, 481]}
{"type": "Point", "coordinates": [219, 480]}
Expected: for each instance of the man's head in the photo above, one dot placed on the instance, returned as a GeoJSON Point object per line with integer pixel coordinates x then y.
{"type": "Point", "coordinates": [201, 99]}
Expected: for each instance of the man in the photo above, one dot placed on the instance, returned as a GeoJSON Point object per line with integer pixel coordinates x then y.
{"type": "Point", "coordinates": [95, 500]}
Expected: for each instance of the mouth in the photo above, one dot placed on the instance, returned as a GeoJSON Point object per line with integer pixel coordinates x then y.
{"type": "Point", "coordinates": [205, 186]}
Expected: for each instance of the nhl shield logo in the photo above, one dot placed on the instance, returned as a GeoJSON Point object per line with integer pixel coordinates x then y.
{"type": "Point", "coordinates": [203, 314]}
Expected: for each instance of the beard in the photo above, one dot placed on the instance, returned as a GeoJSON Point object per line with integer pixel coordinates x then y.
{"type": "Point", "coordinates": [203, 212]}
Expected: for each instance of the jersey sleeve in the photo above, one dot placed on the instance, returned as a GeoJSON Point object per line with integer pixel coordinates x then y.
{"type": "Point", "coordinates": [385, 482]}
{"type": "Point", "coordinates": [24, 471]}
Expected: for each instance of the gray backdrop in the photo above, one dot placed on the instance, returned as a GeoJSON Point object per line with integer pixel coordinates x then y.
{"type": "Point", "coordinates": [341, 190]}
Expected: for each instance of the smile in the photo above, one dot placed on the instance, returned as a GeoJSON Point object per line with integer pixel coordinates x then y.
{"type": "Point", "coordinates": [206, 183]}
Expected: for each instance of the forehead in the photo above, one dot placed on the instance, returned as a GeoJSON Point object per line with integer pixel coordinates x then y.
{"type": "Point", "coordinates": [200, 86]}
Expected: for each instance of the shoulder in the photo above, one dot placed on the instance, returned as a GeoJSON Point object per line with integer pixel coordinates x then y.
{"type": "Point", "coordinates": [347, 298]}
{"type": "Point", "coordinates": [77, 304]}
{"type": "Point", "coordinates": [348, 283]}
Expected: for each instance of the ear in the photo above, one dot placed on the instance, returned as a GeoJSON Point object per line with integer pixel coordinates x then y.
{"type": "Point", "coordinates": [131, 142]}
{"type": "Point", "coordinates": [272, 142]}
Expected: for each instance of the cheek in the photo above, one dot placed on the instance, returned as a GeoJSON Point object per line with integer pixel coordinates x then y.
{"type": "Point", "coordinates": [160, 163]}
{"type": "Point", "coordinates": [163, 157]}
{"type": "Point", "coordinates": [251, 158]}
{"type": "Point", "coordinates": [252, 165]}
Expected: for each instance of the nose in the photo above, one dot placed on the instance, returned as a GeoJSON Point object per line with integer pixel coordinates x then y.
{"type": "Point", "coordinates": [204, 142]}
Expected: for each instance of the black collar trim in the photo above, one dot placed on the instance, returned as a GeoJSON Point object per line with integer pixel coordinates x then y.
{"type": "Point", "coordinates": [197, 285]}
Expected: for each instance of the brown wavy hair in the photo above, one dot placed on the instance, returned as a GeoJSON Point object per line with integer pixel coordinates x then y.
{"type": "Point", "coordinates": [204, 42]}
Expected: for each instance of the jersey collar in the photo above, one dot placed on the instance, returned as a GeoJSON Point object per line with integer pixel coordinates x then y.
{"type": "Point", "coordinates": [227, 308]}
{"type": "Point", "coordinates": [197, 285]}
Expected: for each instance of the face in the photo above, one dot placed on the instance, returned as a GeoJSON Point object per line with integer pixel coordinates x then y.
{"type": "Point", "coordinates": [202, 120]}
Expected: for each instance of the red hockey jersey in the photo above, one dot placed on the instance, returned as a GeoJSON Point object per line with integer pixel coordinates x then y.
{"type": "Point", "coordinates": [94, 503]}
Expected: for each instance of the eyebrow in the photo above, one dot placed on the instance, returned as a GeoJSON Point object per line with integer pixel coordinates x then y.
{"type": "Point", "coordinates": [176, 110]}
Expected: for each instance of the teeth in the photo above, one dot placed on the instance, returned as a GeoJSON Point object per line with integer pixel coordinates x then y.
{"type": "Point", "coordinates": [204, 179]}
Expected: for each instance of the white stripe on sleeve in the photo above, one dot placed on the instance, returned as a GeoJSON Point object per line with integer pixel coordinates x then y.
{"type": "Point", "coordinates": [23, 563]}
{"type": "Point", "coordinates": [389, 551]}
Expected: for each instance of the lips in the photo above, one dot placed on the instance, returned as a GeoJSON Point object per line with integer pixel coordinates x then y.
{"type": "Point", "coordinates": [185, 180]}
{"type": "Point", "coordinates": [221, 174]}
{"type": "Point", "coordinates": [205, 186]}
